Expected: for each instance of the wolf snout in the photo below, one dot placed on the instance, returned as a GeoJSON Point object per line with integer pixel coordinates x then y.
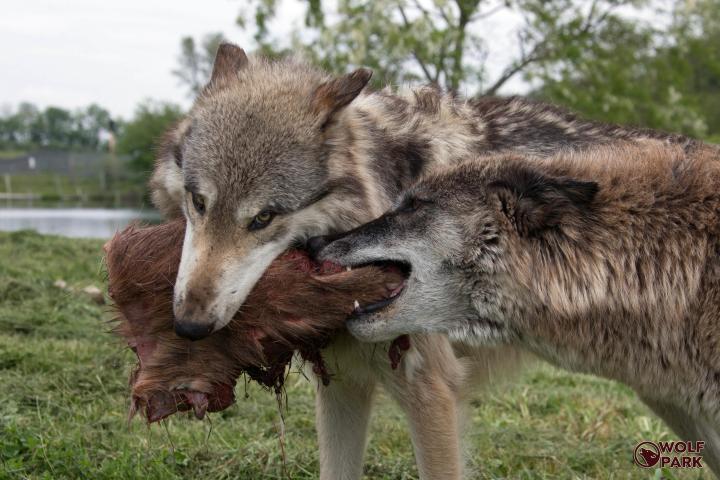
{"type": "Point", "coordinates": [191, 321]}
{"type": "Point", "coordinates": [327, 248]}
{"type": "Point", "coordinates": [192, 330]}
{"type": "Point", "coordinates": [315, 244]}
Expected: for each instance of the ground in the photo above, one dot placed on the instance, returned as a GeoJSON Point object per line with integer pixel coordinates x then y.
{"type": "Point", "coordinates": [64, 403]}
{"type": "Point", "coordinates": [54, 188]}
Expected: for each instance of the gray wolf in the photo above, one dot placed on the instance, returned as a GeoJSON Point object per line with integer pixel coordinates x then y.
{"type": "Point", "coordinates": [275, 152]}
{"type": "Point", "coordinates": [605, 261]}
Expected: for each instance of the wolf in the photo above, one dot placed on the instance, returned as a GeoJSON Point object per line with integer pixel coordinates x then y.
{"type": "Point", "coordinates": [273, 153]}
{"type": "Point", "coordinates": [605, 261]}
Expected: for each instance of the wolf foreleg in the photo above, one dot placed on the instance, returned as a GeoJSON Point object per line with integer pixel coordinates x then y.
{"type": "Point", "coordinates": [427, 385]}
{"type": "Point", "coordinates": [342, 417]}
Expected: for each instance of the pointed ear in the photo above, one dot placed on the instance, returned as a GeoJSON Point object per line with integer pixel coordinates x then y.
{"type": "Point", "coordinates": [229, 59]}
{"type": "Point", "coordinates": [533, 201]}
{"type": "Point", "coordinates": [333, 95]}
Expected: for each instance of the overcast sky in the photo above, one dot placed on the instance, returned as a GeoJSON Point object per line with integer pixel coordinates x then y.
{"type": "Point", "coordinates": [75, 52]}
{"type": "Point", "coordinates": [117, 53]}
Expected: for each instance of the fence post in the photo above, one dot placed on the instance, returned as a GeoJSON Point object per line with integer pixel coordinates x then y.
{"type": "Point", "coordinates": [59, 189]}
{"type": "Point", "coordinates": [8, 188]}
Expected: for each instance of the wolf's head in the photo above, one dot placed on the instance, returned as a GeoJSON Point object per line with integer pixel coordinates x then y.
{"type": "Point", "coordinates": [249, 169]}
{"type": "Point", "coordinates": [459, 237]}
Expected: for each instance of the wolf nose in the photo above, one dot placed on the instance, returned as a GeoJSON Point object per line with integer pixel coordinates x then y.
{"type": "Point", "coordinates": [315, 244]}
{"type": "Point", "coordinates": [192, 331]}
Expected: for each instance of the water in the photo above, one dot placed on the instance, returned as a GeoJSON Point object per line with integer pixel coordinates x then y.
{"type": "Point", "coordinates": [72, 222]}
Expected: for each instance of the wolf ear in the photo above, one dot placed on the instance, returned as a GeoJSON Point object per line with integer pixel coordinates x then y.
{"type": "Point", "coordinates": [333, 95]}
{"type": "Point", "coordinates": [533, 201]}
{"type": "Point", "coordinates": [229, 59]}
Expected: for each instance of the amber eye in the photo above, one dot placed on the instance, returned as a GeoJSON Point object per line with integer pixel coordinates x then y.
{"type": "Point", "coordinates": [261, 220]}
{"type": "Point", "coordinates": [198, 202]}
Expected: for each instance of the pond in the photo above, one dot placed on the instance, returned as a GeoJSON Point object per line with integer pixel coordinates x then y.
{"type": "Point", "coordinates": [73, 222]}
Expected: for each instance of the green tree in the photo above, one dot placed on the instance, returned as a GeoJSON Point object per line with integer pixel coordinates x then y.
{"type": "Point", "coordinates": [29, 127]}
{"type": "Point", "coordinates": [697, 34]}
{"type": "Point", "coordinates": [88, 122]}
{"type": "Point", "coordinates": [438, 41]}
{"type": "Point", "coordinates": [667, 79]}
{"type": "Point", "coordinates": [140, 136]}
{"type": "Point", "coordinates": [598, 57]}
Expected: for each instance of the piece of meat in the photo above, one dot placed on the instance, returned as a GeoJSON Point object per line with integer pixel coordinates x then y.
{"type": "Point", "coordinates": [296, 306]}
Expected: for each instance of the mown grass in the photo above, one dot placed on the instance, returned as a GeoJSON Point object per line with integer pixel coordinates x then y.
{"type": "Point", "coordinates": [57, 188]}
{"type": "Point", "coordinates": [11, 154]}
{"type": "Point", "coordinates": [63, 403]}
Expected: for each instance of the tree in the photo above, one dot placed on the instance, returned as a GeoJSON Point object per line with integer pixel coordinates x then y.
{"type": "Point", "coordinates": [595, 56]}
{"type": "Point", "coordinates": [29, 127]}
{"type": "Point", "coordinates": [667, 79]}
{"type": "Point", "coordinates": [89, 122]}
{"type": "Point", "coordinates": [140, 135]}
{"type": "Point", "coordinates": [439, 41]}
{"type": "Point", "coordinates": [196, 61]}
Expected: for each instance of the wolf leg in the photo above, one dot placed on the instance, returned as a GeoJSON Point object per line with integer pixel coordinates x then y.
{"type": "Point", "coordinates": [342, 417]}
{"type": "Point", "coordinates": [434, 427]}
{"type": "Point", "coordinates": [690, 429]}
{"type": "Point", "coordinates": [427, 386]}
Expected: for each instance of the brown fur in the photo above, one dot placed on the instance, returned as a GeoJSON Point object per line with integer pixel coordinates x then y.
{"type": "Point", "coordinates": [638, 287]}
{"type": "Point", "coordinates": [295, 305]}
{"type": "Point", "coordinates": [263, 139]}
{"type": "Point", "coordinates": [605, 261]}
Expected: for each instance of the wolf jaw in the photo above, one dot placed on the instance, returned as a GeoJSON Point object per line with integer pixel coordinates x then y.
{"type": "Point", "coordinates": [395, 290]}
{"type": "Point", "coordinates": [380, 320]}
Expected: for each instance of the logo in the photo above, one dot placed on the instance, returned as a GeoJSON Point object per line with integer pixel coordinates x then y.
{"type": "Point", "coordinates": [669, 454]}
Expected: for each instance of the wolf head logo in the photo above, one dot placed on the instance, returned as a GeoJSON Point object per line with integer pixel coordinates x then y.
{"type": "Point", "coordinates": [647, 454]}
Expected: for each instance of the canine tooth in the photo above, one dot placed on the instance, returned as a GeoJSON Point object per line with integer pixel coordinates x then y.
{"type": "Point", "coordinates": [348, 268]}
{"type": "Point", "coordinates": [356, 305]}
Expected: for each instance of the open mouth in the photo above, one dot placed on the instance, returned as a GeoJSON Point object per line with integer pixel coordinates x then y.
{"type": "Point", "coordinates": [394, 290]}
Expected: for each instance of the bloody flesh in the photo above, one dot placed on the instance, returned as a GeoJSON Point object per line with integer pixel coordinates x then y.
{"type": "Point", "coordinates": [296, 306]}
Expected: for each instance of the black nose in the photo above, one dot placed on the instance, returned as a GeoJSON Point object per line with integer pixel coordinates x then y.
{"type": "Point", "coordinates": [192, 331]}
{"type": "Point", "coordinates": [315, 244]}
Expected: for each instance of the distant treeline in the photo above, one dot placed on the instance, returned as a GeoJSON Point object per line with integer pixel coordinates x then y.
{"type": "Point", "coordinates": [29, 127]}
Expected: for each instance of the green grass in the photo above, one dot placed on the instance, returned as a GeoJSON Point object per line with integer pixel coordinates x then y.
{"type": "Point", "coordinates": [53, 188]}
{"type": "Point", "coordinates": [64, 400]}
{"type": "Point", "coordinates": [11, 154]}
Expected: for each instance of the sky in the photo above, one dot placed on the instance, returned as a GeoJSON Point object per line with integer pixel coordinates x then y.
{"type": "Point", "coordinates": [76, 52]}
{"type": "Point", "coordinates": [118, 53]}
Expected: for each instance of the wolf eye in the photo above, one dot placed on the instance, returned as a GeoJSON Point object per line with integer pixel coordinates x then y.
{"type": "Point", "coordinates": [198, 202]}
{"type": "Point", "coordinates": [261, 220]}
{"type": "Point", "coordinates": [410, 205]}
